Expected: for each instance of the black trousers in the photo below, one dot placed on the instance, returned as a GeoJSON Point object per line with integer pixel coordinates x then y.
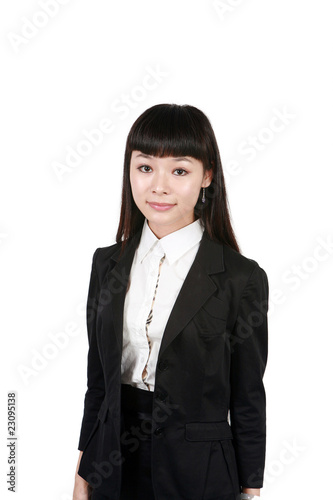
{"type": "Point", "coordinates": [136, 407]}
{"type": "Point", "coordinates": [136, 425]}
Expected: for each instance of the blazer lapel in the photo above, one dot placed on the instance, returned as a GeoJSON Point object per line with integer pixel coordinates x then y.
{"type": "Point", "coordinates": [195, 291]}
{"type": "Point", "coordinates": [117, 283]}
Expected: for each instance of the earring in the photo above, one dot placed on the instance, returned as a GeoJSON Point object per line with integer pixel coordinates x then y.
{"type": "Point", "coordinates": [203, 195]}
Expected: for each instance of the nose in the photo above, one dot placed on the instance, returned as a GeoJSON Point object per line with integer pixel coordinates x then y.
{"type": "Point", "coordinates": [159, 183]}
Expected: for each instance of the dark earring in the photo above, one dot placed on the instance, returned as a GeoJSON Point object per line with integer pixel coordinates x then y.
{"type": "Point", "coordinates": [203, 195]}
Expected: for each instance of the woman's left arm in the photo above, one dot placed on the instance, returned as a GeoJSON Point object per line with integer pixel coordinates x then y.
{"type": "Point", "coordinates": [249, 347]}
{"type": "Point", "coordinates": [252, 491]}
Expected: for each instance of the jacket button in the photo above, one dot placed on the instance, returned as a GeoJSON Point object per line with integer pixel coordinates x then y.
{"type": "Point", "coordinates": [162, 365]}
{"type": "Point", "coordinates": [162, 396]}
{"type": "Point", "coordinates": [158, 431]}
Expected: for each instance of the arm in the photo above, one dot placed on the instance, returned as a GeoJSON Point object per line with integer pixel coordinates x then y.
{"type": "Point", "coordinates": [248, 363]}
{"type": "Point", "coordinates": [95, 377]}
{"type": "Point", "coordinates": [251, 491]}
{"type": "Point", "coordinates": [82, 489]}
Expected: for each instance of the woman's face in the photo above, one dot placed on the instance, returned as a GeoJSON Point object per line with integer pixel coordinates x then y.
{"type": "Point", "coordinates": [168, 180]}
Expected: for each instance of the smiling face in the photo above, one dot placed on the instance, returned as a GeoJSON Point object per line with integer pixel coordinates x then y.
{"type": "Point", "coordinates": [169, 180]}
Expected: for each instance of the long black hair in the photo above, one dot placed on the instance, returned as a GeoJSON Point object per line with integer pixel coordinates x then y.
{"type": "Point", "coordinates": [177, 130]}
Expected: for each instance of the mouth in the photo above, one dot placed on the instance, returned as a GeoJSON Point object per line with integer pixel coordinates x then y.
{"type": "Point", "coordinates": [160, 206]}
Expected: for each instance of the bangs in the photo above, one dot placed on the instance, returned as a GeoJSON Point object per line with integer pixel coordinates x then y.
{"type": "Point", "coordinates": [169, 130]}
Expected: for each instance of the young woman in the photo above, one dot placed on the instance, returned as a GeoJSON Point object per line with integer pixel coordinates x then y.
{"type": "Point", "coordinates": [177, 329]}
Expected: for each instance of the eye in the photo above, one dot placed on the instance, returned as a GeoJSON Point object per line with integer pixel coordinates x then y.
{"type": "Point", "coordinates": [143, 166]}
{"type": "Point", "coordinates": [180, 170]}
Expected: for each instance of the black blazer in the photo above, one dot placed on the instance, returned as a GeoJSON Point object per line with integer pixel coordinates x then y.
{"type": "Point", "coordinates": [209, 431]}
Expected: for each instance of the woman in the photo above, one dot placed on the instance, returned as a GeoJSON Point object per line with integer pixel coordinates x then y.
{"type": "Point", "coordinates": [177, 328]}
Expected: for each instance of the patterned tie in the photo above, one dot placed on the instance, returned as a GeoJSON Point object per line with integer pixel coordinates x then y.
{"type": "Point", "coordinates": [149, 320]}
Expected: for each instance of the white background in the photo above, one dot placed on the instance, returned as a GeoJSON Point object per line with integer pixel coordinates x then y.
{"type": "Point", "coordinates": [242, 64]}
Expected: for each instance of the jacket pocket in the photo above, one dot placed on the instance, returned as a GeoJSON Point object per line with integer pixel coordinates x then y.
{"type": "Point", "coordinates": [208, 431]}
{"type": "Point", "coordinates": [210, 320]}
{"type": "Point", "coordinates": [215, 307]}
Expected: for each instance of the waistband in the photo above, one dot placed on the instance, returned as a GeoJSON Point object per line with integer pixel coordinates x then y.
{"type": "Point", "coordinates": [136, 400]}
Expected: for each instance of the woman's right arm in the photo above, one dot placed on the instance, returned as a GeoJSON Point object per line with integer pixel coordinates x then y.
{"type": "Point", "coordinates": [95, 382]}
{"type": "Point", "coordinates": [82, 489]}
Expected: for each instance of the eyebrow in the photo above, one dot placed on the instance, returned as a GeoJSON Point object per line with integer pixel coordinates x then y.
{"type": "Point", "coordinates": [179, 158]}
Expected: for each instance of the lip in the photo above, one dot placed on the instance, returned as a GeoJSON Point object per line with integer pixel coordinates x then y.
{"type": "Point", "coordinates": [160, 206]}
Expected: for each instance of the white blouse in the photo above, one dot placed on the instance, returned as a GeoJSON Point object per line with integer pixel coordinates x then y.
{"type": "Point", "coordinates": [180, 248]}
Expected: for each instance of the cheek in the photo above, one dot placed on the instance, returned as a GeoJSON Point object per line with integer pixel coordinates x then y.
{"type": "Point", "coordinates": [137, 185]}
{"type": "Point", "coordinates": [188, 194]}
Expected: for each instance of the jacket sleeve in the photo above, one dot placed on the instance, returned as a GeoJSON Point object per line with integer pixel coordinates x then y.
{"type": "Point", "coordinates": [95, 378]}
{"type": "Point", "coordinates": [249, 349]}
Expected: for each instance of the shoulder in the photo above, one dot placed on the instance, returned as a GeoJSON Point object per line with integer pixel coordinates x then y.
{"type": "Point", "coordinates": [242, 267]}
{"type": "Point", "coordinates": [102, 258]}
{"type": "Point", "coordinates": [104, 254]}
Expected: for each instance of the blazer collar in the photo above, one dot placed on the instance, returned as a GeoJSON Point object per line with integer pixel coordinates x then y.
{"type": "Point", "coordinates": [210, 254]}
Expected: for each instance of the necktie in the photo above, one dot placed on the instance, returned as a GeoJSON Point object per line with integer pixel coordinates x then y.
{"type": "Point", "coordinates": [149, 320]}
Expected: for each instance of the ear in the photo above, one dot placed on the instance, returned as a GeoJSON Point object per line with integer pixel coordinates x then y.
{"type": "Point", "coordinates": [208, 177]}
